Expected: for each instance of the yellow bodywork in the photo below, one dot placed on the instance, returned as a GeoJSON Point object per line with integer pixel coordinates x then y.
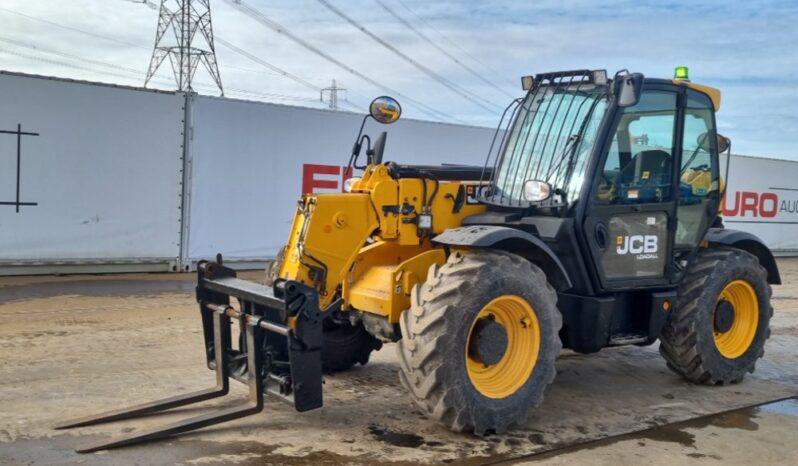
{"type": "Point", "coordinates": [365, 246]}
{"type": "Point", "coordinates": [327, 232]}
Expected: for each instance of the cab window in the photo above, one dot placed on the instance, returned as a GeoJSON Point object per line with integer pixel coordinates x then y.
{"type": "Point", "coordinates": [698, 174]}
{"type": "Point", "coordinates": [639, 164]}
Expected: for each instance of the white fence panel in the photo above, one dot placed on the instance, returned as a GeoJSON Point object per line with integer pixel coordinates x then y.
{"type": "Point", "coordinates": [250, 162]}
{"type": "Point", "coordinates": [762, 198]}
{"type": "Point", "coordinates": [100, 173]}
{"type": "Point", "coordinates": [100, 182]}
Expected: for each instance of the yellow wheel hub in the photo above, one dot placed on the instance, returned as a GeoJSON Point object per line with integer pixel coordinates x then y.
{"type": "Point", "coordinates": [735, 340]}
{"type": "Point", "coordinates": [522, 330]}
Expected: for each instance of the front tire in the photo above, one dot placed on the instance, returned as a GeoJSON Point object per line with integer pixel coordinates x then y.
{"type": "Point", "coordinates": [721, 320]}
{"type": "Point", "coordinates": [346, 345]}
{"type": "Point", "coordinates": [480, 341]}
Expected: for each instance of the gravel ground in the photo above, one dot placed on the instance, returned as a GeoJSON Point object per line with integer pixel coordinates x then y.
{"type": "Point", "coordinates": [71, 346]}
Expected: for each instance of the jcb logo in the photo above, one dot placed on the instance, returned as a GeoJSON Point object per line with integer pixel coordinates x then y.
{"type": "Point", "coordinates": [636, 244]}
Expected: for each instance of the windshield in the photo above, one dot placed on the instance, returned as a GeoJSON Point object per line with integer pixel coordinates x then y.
{"type": "Point", "coordinates": [551, 137]}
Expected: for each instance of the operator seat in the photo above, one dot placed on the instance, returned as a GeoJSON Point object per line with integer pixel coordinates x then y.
{"type": "Point", "coordinates": [650, 171]}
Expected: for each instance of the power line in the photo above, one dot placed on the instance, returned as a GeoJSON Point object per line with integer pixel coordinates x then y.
{"type": "Point", "coordinates": [74, 29]}
{"type": "Point", "coordinates": [150, 4]}
{"type": "Point", "coordinates": [132, 73]}
{"type": "Point", "coordinates": [470, 96]}
{"type": "Point", "coordinates": [268, 65]}
{"type": "Point", "coordinates": [244, 53]}
{"type": "Point", "coordinates": [67, 55]}
{"type": "Point", "coordinates": [280, 29]}
{"type": "Point", "coordinates": [431, 42]}
{"type": "Point", "coordinates": [61, 63]}
{"type": "Point", "coordinates": [163, 83]}
{"type": "Point", "coordinates": [218, 39]}
{"type": "Point", "coordinates": [276, 69]}
{"type": "Point", "coordinates": [451, 42]}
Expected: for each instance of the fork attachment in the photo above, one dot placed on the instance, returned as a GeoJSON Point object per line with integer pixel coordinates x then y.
{"type": "Point", "coordinates": [279, 352]}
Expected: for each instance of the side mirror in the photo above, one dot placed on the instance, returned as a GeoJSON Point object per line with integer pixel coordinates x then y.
{"type": "Point", "coordinates": [628, 88]}
{"type": "Point", "coordinates": [723, 143]}
{"type": "Point", "coordinates": [385, 110]}
{"type": "Point", "coordinates": [704, 142]}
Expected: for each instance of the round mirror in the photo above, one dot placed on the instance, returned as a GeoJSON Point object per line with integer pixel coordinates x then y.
{"type": "Point", "coordinates": [385, 109]}
{"type": "Point", "coordinates": [704, 140]}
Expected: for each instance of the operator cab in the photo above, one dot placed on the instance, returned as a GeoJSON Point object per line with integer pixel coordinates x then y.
{"type": "Point", "coordinates": [619, 178]}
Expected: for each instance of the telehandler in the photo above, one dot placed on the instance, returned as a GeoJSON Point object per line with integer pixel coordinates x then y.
{"type": "Point", "coordinates": [593, 223]}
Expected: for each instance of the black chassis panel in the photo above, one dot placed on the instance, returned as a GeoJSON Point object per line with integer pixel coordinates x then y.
{"type": "Point", "coordinates": [512, 240]}
{"type": "Point", "coordinates": [747, 242]}
{"type": "Point", "coordinates": [591, 323]}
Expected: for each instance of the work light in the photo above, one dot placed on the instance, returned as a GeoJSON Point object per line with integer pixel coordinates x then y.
{"type": "Point", "coordinates": [527, 82]}
{"type": "Point", "coordinates": [536, 190]}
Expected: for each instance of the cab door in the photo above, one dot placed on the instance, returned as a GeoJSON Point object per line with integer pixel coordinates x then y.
{"type": "Point", "coordinates": [631, 211]}
{"type": "Point", "coordinates": [699, 179]}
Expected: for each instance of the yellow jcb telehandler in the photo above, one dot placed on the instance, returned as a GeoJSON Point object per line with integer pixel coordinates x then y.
{"type": "Point", "coordinates": [593, 223]}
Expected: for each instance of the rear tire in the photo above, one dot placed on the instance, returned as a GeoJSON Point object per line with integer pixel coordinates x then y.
{"type": "Point", "coordinates": [696, 342]}
{"type": "Point", "coordinates": [437, 366]}
{"type": "Point", "coordinates": [346, 345]}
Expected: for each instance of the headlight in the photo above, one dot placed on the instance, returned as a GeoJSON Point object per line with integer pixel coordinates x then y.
{"type": "Point", "coordinates": [348, 183]}
{"type": "Point", "coordinates": [535, 190]}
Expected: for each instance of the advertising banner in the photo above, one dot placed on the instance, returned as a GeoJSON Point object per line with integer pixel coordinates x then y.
{"type": "Point", "coordinates": [250, 162]}
{"type": "Point", "coordinates": [762, 198]}
{"type": "Point", "coordinates": [88, 172]}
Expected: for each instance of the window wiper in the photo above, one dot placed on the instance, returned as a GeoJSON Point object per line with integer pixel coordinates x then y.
{"type": "Point", "coordinates": [570, 145]}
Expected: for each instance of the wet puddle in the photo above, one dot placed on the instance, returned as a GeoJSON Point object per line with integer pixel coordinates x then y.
{"type": "Point", "coordinates": [396, 439]}
{"type": "Point", "coordinates": [188, 451]}
{"type": "Point", "coordinates": [787, 407]}
{"type": "Point", "coordinates": [678, 433]}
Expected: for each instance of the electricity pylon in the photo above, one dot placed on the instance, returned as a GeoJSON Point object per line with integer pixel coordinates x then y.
{"type": "Point", "coordinates": [185, 18]}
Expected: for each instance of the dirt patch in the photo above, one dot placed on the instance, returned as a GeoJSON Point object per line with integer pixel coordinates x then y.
{"type": "Point", "coordinates": [87, 345]}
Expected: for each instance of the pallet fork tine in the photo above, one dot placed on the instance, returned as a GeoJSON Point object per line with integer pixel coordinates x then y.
{"type": "Point", "coordinates": [222, 388]}
{"type": "Point", "coordinates": [222, 341]}
{"type": "Point", "coordinates": [291, 321]}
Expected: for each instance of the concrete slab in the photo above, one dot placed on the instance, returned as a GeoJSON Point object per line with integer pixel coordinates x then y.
{"type": "Point", "coordinates": [73, 346]}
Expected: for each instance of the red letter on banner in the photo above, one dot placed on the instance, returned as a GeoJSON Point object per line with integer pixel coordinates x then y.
{"type": "Point", "coordinates": [749, 202]}
{"type": "Point", "coordinates": [764, 210]}
{"type": "Point", "coordinates": [309, 181]}
{"type": "Point", "coordinates": [730, 212]}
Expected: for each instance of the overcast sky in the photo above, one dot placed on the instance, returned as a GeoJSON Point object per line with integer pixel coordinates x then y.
{"type": "Point", "coordinates": [748, 49]}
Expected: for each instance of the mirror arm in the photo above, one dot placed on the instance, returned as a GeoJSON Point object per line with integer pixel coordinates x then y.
{"type": "Point", "coordinates": [728, 162]}
{"type": "Point", "coordinates": [358, 145]}
{"type": "Point", "coordinates": [368, 151]}
{"type": "Point", "coordinates": [358, 140]}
